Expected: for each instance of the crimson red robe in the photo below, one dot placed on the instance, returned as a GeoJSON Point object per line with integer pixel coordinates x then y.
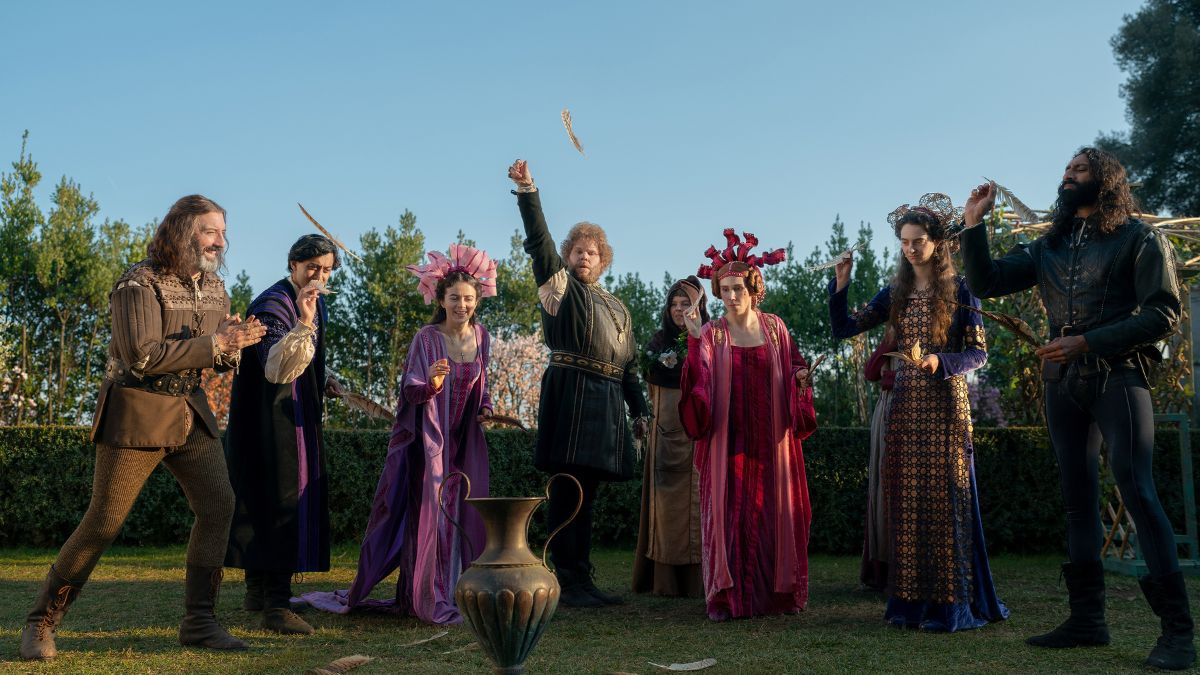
{"type": "Point", "coordinates": [742, 407]}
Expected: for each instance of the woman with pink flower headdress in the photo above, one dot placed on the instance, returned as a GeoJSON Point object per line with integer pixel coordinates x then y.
{"type": "Point", "coordinates": [443, 401]}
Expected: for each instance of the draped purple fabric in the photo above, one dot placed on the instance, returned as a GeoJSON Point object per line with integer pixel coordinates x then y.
{"type": "Point", "coordinates": [435, 434]}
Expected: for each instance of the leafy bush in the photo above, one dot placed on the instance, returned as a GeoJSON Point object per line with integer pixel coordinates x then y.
{"type": "Point", "coordinates": [46, 474]}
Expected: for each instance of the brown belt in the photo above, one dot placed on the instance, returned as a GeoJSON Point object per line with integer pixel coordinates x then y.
{"type": "Point", "coordinates": [171, 384]}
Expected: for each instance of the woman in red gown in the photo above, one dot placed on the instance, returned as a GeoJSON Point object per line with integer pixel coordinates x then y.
{"type": "Point", "coordinates": [746, 401]}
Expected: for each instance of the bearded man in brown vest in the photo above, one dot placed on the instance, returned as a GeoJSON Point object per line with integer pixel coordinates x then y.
{"type": "Point", "coordinates": [170, 318]}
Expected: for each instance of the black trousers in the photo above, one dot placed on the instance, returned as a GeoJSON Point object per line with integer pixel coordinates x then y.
{"type": "Point", "coordinates": [1082, 412]}
{"type": "Point", "coordinates": [571, 549]}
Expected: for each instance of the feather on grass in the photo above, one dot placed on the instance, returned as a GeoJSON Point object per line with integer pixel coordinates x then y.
{"type": "Point", "coordinates": [342, 665]}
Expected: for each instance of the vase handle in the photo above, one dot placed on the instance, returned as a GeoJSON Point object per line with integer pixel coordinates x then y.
{"type": "Point", "coordinates": [566, 522]}
{"type": "Point", "coordinates": [465, 536]}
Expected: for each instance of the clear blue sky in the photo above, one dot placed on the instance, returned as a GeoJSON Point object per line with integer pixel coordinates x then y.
{"type": "Point", "coordinates": [769, 117]}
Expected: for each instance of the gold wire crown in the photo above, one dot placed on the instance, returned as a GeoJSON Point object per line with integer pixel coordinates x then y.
{"type": "Point", "coordinates": [935, 204]}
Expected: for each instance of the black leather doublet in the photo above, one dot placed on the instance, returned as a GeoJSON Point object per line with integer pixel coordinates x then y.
{"type": "Point", "coordinates": [1086, 278]}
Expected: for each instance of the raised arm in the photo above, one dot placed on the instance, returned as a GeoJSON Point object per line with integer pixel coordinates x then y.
{"type": "Point", "coordinates": [846, 324]}
{"type": "Point", "coordinates": [549, 271]}
{"type": "Point", "coordinates": [538, 243]}
{"type": "Point", "coordinates": [841, 321]}
{"type": "Point", "coordinates": [990, 278]}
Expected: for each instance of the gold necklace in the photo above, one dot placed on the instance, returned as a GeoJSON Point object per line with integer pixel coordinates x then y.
{"type": "Point", "coordinates": [612, 313]}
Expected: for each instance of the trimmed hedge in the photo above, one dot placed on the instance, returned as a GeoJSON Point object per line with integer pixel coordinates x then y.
{"type": "Point", "coordinates": [46, 473]}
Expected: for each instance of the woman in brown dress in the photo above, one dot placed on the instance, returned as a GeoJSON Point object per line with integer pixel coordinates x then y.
{"type": "Point", "coordinates": [667, 561]}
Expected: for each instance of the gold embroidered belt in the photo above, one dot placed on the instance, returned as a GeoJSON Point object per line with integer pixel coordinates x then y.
{"type": "Point", "coordinates": [587, 365]}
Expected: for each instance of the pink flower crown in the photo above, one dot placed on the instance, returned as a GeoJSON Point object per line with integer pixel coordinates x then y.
{"type": "Point", "coordinates": [466, 259]}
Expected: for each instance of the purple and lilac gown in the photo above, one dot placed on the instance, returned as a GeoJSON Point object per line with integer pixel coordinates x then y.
{"type": "Point", "coordinates": [436, 434]}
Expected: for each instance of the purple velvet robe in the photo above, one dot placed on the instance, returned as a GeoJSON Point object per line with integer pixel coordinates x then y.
{"type": "Point", "coordinates": [406, 529]}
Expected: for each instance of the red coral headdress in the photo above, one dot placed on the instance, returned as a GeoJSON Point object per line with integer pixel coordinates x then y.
{"type": "Point", "coordinates": [737, 251]}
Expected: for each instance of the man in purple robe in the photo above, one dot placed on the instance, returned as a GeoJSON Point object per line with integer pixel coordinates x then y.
{"type": "Point", "coordinates": [273, 444]}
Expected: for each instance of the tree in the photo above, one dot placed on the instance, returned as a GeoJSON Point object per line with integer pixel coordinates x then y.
{"type": "Point", "coordinates": [240, 295]}
{"type": "Point", "coordinates": [514, 310]}
{"type": "Point", "coordinates": [801, 298]}
{"type": "Point", "coordinates": [19, 218]}
{"type": "Point", "coordinates": [515, 376]}
{"type": "Point", "coordinates": [1159, 48]}
{"type": "Point", "coordinates": [376, 310]}
{"type": "Point", "coordinates": [55, 277]}
{"type": "Point", "coordinates": [644, 302]}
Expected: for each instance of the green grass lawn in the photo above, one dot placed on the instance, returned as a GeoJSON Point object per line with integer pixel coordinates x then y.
{"type": "Point", "coordinates": [127, 617]}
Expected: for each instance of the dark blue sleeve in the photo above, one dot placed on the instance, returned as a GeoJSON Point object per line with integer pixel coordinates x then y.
{"type": "Point", "coordinates": [846, 324]}
{"type": "Point", "coordinates": [974, 342]}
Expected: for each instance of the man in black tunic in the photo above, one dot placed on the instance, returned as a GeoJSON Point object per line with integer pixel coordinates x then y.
{"type": "Point", "coordinates": [591, 378]}
{"type": "Point", "coordinates": [1108, 283]}
{"type": "Point", "coordinates": [274, 446]}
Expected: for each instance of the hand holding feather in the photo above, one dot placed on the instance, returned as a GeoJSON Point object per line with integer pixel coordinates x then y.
{"type": "Point", "coordinates": [912, 357]}
{"type": "Point", "coordinates": [306, 305]}
{"type": "Point", "coordinates": [979, 204]}
{"type": "Point", "coordinates": [843, 269]}
{"type": "Point", "coordinates": [333, 388]}
{"type": "Point", "coordinates": [484, 413]}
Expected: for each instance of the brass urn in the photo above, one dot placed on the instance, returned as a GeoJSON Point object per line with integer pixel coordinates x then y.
{"type": "Point", "coordinates": [508, 595]}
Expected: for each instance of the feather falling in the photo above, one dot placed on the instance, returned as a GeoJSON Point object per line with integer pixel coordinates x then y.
{"type": "Point", "coordinates": [1017, 206]}
{"type": "Point", "coordinates": [367, 407]}
{"type": "Point", "coordinates": [342, 665]}
{"type": "Point", "coordinates": [336, 242]}
{"type": "Point", "coordinates": [1015, 325]}
{"type": "Point", "coordinates": [566, 118]}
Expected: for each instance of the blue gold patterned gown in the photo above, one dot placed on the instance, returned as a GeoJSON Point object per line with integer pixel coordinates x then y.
{"type": "Point", "coordinates": [938, 575]}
